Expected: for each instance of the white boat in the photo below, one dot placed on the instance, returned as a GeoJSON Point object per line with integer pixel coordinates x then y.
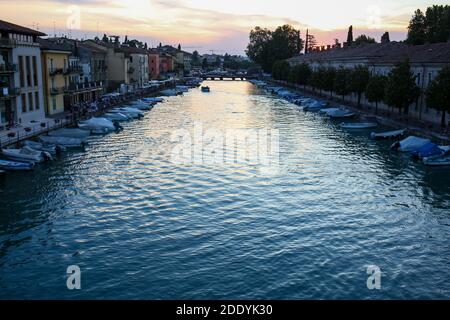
{"type": "Point", "coordinates": [153, 100]}
{"type": "Point", "coordinates": [16, 166]}
{"type": "Point", "coordinates": [359, 125]}
{"type": "Point", "coordinates": [97, 125]}
{"type": "Point", "coordinates": [63, 141]}
{"type": "Point", "coordinates": [169, 92]}
{"type": "Point", "coordinates": [116, 117]}
{"type": "Point", "coordinates": [388, 135]}
{"type": "Point", "coordinates": [341, 113]}
{"type": "Point", "coordinates": [26, 154]}
{"type": "Point", "coordinates": [439, 161]}
{"type": "Point", "coordinates": [70, 133]}
{"type": "Point", "coordinates": [410, 144]}
{"type": "Point", "coordinates": [141, 105]}
{"type": "Point", "coordinates": [50, 148]}
{"type": "Point", "coordinates": [315, 106]}
{"type": "Point", "coordinates": [129, 111]}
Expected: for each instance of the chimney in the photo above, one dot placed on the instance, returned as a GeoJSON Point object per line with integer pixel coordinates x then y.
{"type": "Point", "coordinates": [345, 45]}
{"type": "Point", "coordinates": [328, 47]}
{"type": "Point", "coordinates": [322, 48]}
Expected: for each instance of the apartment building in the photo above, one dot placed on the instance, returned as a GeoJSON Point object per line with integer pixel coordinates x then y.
{"type": "Point", "coordinates": [21, 99]}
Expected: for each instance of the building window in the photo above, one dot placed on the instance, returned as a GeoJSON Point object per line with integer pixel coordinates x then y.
{"type": "Point", "coordinates": [36, 99]}
{"type": "Point", "coordinates": [22, 72]}
{"type": "Point", "coordinates": [54, 104]}
{"type": "Point", "coordinates": [28, 68]}
{"type": "Point", "coordinates": [418, 79]}
{"type": "Point", "coordinates": [30, 101]}
{"type": "Point", "coordinates": [35, 73]}
{"type": "Point", "coordinates": [24, 102]}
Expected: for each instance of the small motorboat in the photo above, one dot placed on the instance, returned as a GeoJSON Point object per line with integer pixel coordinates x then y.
{"type": "Point", "coordinates": [116, 117]}
{"type": "Point", "coordinates": [26, 154]}
{"type": "Point", "coordinates": [16, 166]}
{"type": "Point", "coordinates": [97, 125]}
{"type": "Point", "coordinates": [388, 135]}
{"type": "Point", "coordinates": [153, 100]}
{"type": "Point", "coordinates": [359, 125]}
{"type": "Point", "coordinates": [410, 144]}
{"type": "Point", "coordinates": [129, 111]}
{"type": "Point", "coordinates": [50, 148]}
{"type": "Point", "coordinates": [341, 113]}
{"type": "Point", "coordinates": [141, 105]}
{"type": "Point", "coordinates": [439, 161]}
{"type": "Point", "coordinates": [70, 133]}
{"type": "Point", "coordinates": [328, 110]}
{"type": "Point", "coordinates": [169, 92]}
{"type": "Point", "coordinates": [182, 88]}
{"type": "Point", "coordinates": [315, 106]}
{"type": "Point", "coordinates": [206, 89]}
{"type": "Point", "coordinates": [63, 141]}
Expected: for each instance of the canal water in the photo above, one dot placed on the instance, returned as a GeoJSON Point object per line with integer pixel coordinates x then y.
{"type": "Point", "coordinates": [141, 226]}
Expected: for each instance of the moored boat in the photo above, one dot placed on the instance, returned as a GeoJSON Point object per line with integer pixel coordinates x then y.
{"type": "Point", "coordinates": [116, 117]}
{"type": "Point", "coordinates": [70, 133]}
{"type": "Point", "coordinates": [26, 154]}
{"type": "Point", "coordinates": [52, 149]}
{"type": "Point", "coordinates": [341, 113]}
{"type": "Point", "coordinates": [15, 166]}
{"type": "Point", "coordinates": [388, 135]}
{"type": "Point", "coordinates": [439, 161]}
{"type": "Point", "coordinates": [359, 125]}
{"type": "Point", "coordinates": [206, 89]}
{"type": "Point", "coordinates": [63, 141]}
{"type": "Point", "coordinates": [97, 125]}
{"type": "Point", "coordinates": [410, 144]}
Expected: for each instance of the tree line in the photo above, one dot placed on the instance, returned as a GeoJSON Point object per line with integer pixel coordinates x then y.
{"type": "Point", "coordinates": [433, 26]}
{"type": "Point", "coordinates": [398, 89]}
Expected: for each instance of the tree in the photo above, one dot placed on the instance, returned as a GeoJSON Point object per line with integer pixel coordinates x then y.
{"type": "Point", "coordinates": [300, 74]}
{"type": "Point", "coordinates": [401, 87]}
{"type": "Point", "coordinates": [385, 38]}
{"type": "Point", "coordinates": [437, 24]}
{"type": "Point", "coordinates": [329, 74]}
{"type": "Point", "coordinates": [258, 48]}
{"type": "Point", "coordinates": [266, 47]}
{"type": "Point", "coordinates": [179, 47]}
{"type": "Point", "coordinates": [359, 78]}
{"type": "Point", "coordinates": [438, 93]}
{"type": "Point", "coordinates": [375, 90]}
{"type": "Point", "coordinates": [311, 43]}
{"type": "Point", "coordinates": [341, 82]}
{"type": "Point", "coordinates": [416, 29]}
{"type": "Point", "coordinates": [281, 70]}
{"type": "Point", "coordinates": [350, 36]}
{"type": "Point", "coordinates": [126, 40]}
{"type": "Point", "coordinates": [362, 39]}
{"type": "Point", "coordinates": [105, 38]}
{"type": "Point", "coordinates": [205, 64]}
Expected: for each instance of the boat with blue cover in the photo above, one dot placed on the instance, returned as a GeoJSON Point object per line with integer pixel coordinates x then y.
{"type": "Point", "coordinates": [15, 166]}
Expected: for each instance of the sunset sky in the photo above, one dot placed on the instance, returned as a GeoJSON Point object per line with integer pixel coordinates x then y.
{"type": "Point", "coordinates": [205, 25]}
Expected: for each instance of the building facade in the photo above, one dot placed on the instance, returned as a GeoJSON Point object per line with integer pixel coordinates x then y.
{"type": "Point", "coordinates": [154, 65]}
{"type": "Point", "coordinates": [55, 70]}
{"type": "Point", "coordinates": [22, 99]}
{"type": "Point", "coordinates": [425, 60]}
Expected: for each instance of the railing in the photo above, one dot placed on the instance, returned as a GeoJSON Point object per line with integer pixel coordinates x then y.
{"type": "Point", "coordinates": [19, 133]}
{"type": "Point", "coordinates": [73, 70]}
{"type": "Point", "coordinates": [8, 67]}
{"type": "Point", "coordinates": [9, 43]}
{"type": "Point", "coordinates": [56, 91]}
{"type": "Point", "coordinates": [83, 86]}
{"type": "Point", "coordinates": [55, 71]}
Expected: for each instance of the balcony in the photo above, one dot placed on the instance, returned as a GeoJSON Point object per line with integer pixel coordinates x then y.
{"type": "Point", "coordinates": [56, 91]}
{"type": "Point", "coordinates": [7, 43]}
{"type": "Point", "coordinates": [55, 71]}
{"type": "Point", "coordinates": [73, 70]}
{"type": "Point", "coordinates": [8, 93]}
{"type": "Point", "coordinates": [83, 87]}
{"type": "Point", "coordinates": [8, 68]}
